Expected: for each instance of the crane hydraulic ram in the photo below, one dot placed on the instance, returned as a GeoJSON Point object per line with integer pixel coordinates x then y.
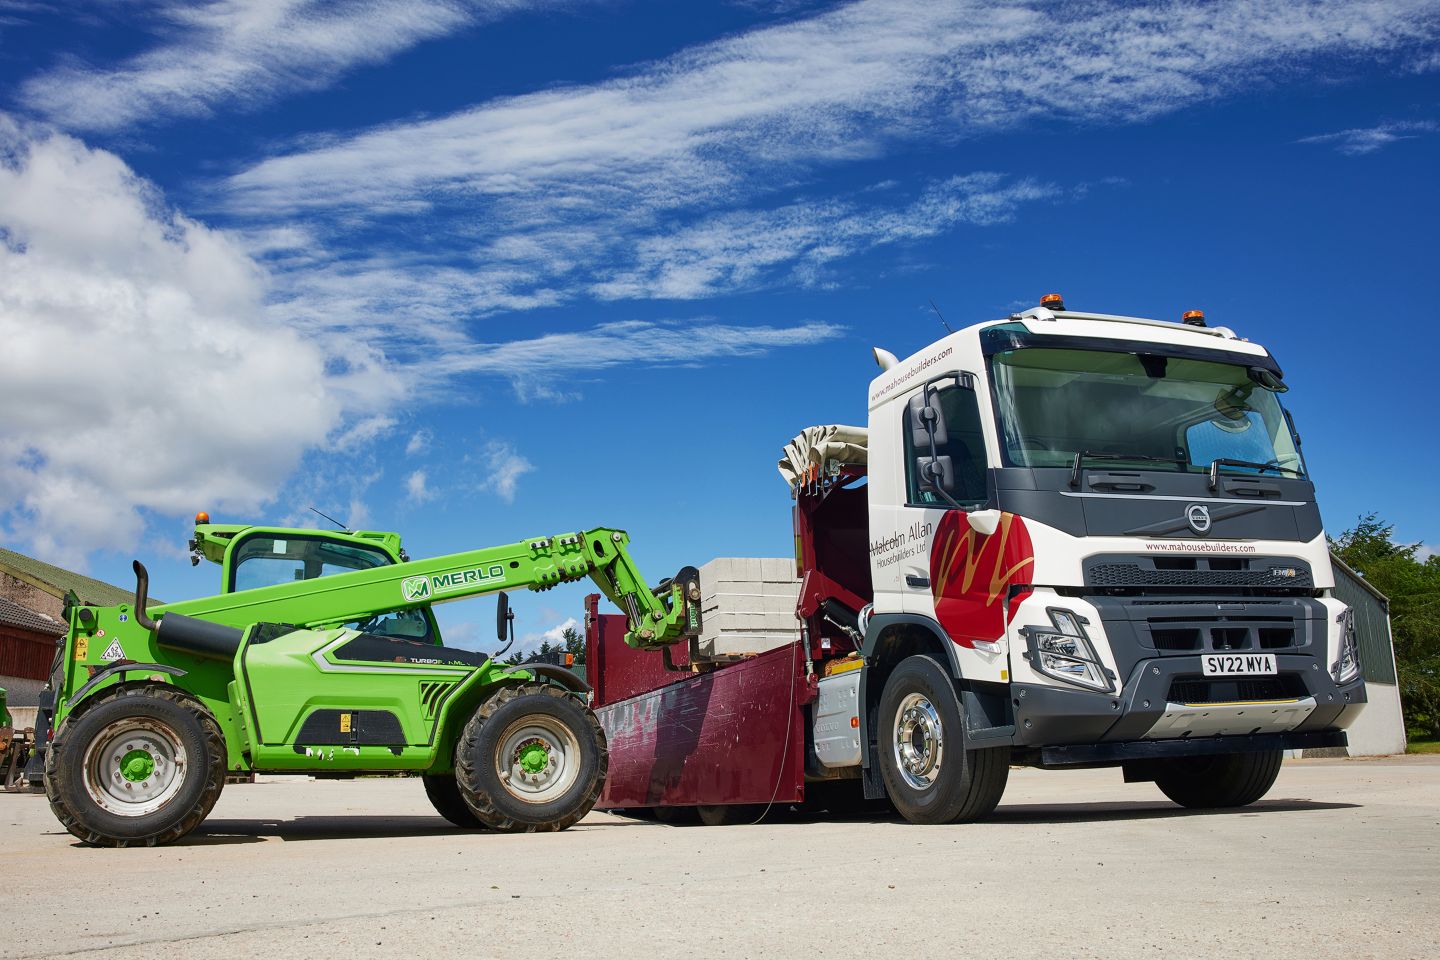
{"type": "Point", "coordinates": [336, 674]}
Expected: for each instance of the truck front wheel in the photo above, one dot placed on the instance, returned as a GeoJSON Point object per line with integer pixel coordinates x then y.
{"type": "Point", "coordinates": [930, 773]}
{"type": "Point", "coordinates": [143, 765]}
{"type": "Point", "coordinates": [531, 759]}
{"type": "Point", "coordinates": [1227, 780]}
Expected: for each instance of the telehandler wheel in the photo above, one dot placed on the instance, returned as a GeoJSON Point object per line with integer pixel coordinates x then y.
{"type": "Point", "coordinates": [142, 765]}
{"type": "Point", "coordinates": [931, 774]}
{"type": "Point", "coordinates": [532, 759]}
{"type": "Point", "coordinates": [444, 794]}
{"type": "Point", "coordinates": [1228, 780]}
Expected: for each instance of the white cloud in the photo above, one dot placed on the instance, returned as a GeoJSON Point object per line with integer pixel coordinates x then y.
{"type": "Point", "coordinates": [140, 370]}
{"type": "Point", "coordinates": [416, 488]}
{"type": "Point", "coordinates": [835, 86]}
{"type": "Point", "coordinates": [418, 443]}
{"type": "Point", "coordinates": [668, 175]}
{"type": "Point", "coordinates": [535, 365]}
{"type": "Point", "coordinates": [529, 643]}
{"type": "Point", "coordinates": [1362, 140]}
{"type": "Point", "coordinates": [741, 249]}
{"type": "Point", "coordinates": [503, 469]}
{"type": "Point", "coordinates": [1427, 550]}
{"type": "Point", "coordinates": [245, 52]}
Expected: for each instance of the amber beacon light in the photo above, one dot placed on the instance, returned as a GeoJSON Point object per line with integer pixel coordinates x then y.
{"type": "Point", "coordinates": [1194, 318]}
{"type": "Point", "coordinates": [1053, 301]}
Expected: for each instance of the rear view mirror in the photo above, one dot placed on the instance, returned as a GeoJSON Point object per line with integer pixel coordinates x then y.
{"type": "Point", "coordinates": [936, 473]}
{"type": "Point", "coordinates": [502, 615]}
{"type": "Point", "coordinates": [927, 422]}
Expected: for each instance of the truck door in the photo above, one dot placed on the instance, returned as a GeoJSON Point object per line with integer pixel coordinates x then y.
{"type": "Point", "coordinates": [947, 454]}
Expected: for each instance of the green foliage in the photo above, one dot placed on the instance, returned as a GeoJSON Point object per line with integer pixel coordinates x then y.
{"type": "Point", "coordinates": [571, 641]}
{"type": "Point", "coordinates": [1413, 587]}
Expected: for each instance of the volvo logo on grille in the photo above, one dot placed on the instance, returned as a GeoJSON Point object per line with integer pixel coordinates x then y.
{"type": "Point", "coordinates": [1198, 516]}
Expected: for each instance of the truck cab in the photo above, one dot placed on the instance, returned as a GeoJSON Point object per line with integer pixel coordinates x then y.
{"type": "Point", "coordinates": [1102, 530]}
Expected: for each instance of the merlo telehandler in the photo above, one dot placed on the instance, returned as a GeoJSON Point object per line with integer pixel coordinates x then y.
{"type": "Point", "coordinates": [322, 656]}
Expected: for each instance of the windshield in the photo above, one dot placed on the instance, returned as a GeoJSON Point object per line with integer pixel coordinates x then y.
{"type": "Point", "coordinates": [266, 561]}
{"type": "Point", "coordinates": [1056, 403]}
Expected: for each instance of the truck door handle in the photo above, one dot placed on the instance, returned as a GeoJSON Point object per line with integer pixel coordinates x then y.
{"type": "Point", "coordinates": [913, 581]}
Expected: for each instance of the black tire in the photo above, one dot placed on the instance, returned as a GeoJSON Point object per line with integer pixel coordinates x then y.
{"type": "Point", "coordinates": [729, 814]}
{"type": "Point", "coordinates": [1228, 780]}
{"type": "Point", "coordinates": [444, 794]}
{"type": "Point", "coordinates": [574, 782]}
{"type": "Point", "coordinates": [79, 779]}
{"type": "Point", "coordinates": [950, 783]}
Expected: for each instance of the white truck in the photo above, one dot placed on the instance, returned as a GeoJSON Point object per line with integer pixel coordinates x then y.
{"type": "Point", "coordinates": [1065, 539]}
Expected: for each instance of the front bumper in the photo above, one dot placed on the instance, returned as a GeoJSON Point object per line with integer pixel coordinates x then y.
{"type": "Point", "coordinates": [1137, 751]}
{"type": "Point", "coordinates": [1142, 710]}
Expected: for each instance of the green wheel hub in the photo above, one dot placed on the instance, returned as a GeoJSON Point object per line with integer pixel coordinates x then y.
{"type": "Point", "coordinates": [137, 765]}
{"type": "Point", "coordinates": [534, 757]}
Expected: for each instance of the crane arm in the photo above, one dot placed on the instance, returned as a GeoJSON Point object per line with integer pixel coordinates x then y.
{"type": "Point", "coordinates": [656, 617]}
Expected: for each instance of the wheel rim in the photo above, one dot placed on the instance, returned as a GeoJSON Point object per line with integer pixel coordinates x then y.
{"type": "Point", "coordinates": [538, 760]}
{"type": "Point", "coordinates": [134, 767]}
{"type": "Point", "coordinates": [919, 741]}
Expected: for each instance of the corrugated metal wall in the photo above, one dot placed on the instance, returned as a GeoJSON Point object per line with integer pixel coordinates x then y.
{"type": "Point", "coordinates": [1372, 625]}
{"type": "Point", "coordinates": [25, 654]}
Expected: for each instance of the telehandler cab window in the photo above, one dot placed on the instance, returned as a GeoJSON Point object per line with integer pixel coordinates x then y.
{"type": "Point", "coordinates": [261, 561]}
{"type": "Point", "coordinates": [961, 439]}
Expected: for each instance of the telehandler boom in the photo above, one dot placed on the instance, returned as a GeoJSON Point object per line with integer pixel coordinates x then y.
{"type": "Point", "coordinates": [298, 667]}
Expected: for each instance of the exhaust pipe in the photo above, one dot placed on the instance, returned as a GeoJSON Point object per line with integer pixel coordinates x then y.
{"type": "Point", "coordinates": [199, 638]}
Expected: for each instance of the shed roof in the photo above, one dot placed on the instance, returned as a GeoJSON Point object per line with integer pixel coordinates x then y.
{"type": "Point", "coordinates": [57, 581]}
{"type": "Point", "coordinates": [13, 614]}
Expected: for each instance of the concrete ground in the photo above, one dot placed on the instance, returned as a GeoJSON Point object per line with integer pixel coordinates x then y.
{"type": "Point", "coordinates": [1342, 860]}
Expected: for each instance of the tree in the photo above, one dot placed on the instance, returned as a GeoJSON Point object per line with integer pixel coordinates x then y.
{"type": "Point", "coordinates": [572, 641]}
{"type": "Point", "coordinates": [1413, 587]}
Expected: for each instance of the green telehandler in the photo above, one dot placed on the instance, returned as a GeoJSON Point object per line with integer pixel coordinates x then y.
{"type": "Point", "coordinates": [322, 656]}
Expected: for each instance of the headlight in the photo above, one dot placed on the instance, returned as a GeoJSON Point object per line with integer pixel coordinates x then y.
{"type": "Point", "coordinates": [1065, 652]}
{"type": "Point", "coordinates": [1347, 668]}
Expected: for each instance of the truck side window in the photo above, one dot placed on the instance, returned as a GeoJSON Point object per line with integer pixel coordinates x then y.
{"type": "Point", "coordinates": [964, 444]}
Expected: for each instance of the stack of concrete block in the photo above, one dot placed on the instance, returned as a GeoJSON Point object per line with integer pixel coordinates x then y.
{"type": "Point", "coordinates": [748, 604]}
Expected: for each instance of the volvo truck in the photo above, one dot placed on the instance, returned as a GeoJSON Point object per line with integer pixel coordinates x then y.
{"type": "Point", "coordinates": [1063, 539]}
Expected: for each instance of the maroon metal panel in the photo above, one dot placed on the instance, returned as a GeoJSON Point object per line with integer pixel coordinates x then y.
{"type": "Point", "coordinates": [733, 735]}
{"type": "Point", "coordinates": [25, 654]}
{"type": "Point", "coordinates": [616, 671]}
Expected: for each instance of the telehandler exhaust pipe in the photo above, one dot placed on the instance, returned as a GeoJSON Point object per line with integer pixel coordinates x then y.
{"type": "Point", "coordinates": [199, 638]}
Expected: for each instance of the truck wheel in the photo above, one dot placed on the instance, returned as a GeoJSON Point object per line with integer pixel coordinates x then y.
{"type": "Point", "coordinates": [1228, 780]}
{"type": "Point", "coordinates": [444, 794]}
{"type": "Point", "coordinates": [531, 759]}
{"type": "Point", "coordinates": [930, 773]}
{"type": "Point", "coordinates": [143, 765]}
{"type": "Point", "coordinates": [728, 814]}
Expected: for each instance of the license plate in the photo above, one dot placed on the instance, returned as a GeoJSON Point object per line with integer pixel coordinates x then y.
{"type": "Point", "coordinates": [1237, 664]}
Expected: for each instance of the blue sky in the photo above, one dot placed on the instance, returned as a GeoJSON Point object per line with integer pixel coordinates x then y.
{"type": "Point", "coordinates": [477, 271]}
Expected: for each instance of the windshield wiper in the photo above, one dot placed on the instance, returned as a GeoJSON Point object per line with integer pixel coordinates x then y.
{"type": "Point", "coordinates": [1219, 462]}
{"type": "Point", "coordinates": [1084, 455]}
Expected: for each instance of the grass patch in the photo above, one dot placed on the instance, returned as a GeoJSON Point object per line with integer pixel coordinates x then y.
{"type": "Point", "coordinates": [1423, 746]}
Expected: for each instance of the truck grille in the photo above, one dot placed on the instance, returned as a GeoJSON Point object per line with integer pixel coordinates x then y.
{"type": "Point", "coordinates": [1184, 635]}
{"type": "Point", "coordinates": [1215, 572]}
{"type": "Point", "coordinates": [1285, 686]}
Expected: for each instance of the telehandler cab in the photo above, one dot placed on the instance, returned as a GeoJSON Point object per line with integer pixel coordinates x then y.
{"type": "Point", "coordinates": [322, 656]}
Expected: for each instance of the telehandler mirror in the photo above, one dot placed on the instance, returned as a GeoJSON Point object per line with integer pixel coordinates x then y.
{"type": "Point", "coordinates": [503, 616]}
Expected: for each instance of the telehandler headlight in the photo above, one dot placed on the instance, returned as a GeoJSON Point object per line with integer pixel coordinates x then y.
{"type": "Point", "coordinates": [1064, 652]}
{"type": "Point", "coordinates": [1347, 668]}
